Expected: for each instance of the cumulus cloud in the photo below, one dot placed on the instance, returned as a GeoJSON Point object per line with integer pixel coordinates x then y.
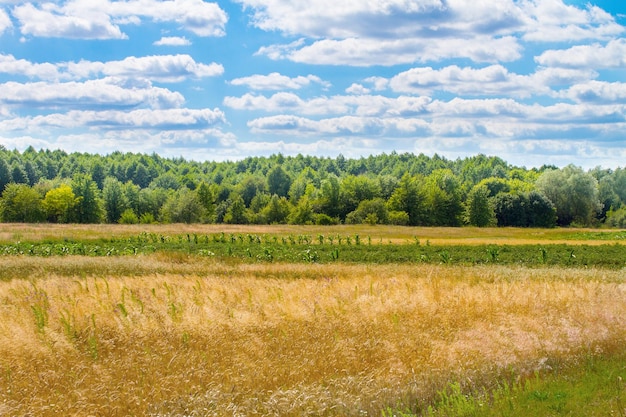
{"type": "Point", "coordinates": [555, 21]}
{"type": "Point", "coordinates": [197, 16]}
{"type": "Point", "coordinates": [596, 91]}
{"type": "Point", "coordinates": [87, 19]}
{"type": "Point", "coordinates": [405, 31]}
{"type": "Point", "coordinates": [92, 93]}
{"type": "Point", "coordinates": [45, 71]}
{"type": "Point", "coordinates": [493, 80]}
{"type": "Point", "coordinates": [172, 41]}
{"type": "Point", "coordinates": [277, 81]}
{"type": "Point", "coordinates": [5, 21]}
{"type": "Point", "coordinates": [357, 89]}
{"type": "Point", "coordinates": [389, 52]}
{"type": "Point", "coordinates": [362, 105]}
{"type": "Point", "coordinates": [115, 119]}
{"type": "Point", "coordinates": [163, 68]}
{"type": "Point", "coordinates": [70, 21]}
{"type": "Point", "coordinates": [611, 55]}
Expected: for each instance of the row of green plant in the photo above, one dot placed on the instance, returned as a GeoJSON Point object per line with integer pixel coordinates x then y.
{"type": "Point", "coordinates": [329, 248]}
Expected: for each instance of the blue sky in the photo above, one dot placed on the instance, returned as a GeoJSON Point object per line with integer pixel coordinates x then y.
{"type": "Point", "coordinates": [532, 81]}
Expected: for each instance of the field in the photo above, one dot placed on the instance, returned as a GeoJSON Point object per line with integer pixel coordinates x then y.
{"type": "Point", "coordinates": [182, 320]}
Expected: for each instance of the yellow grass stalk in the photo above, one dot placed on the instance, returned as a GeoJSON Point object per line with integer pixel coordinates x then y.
{"type": "Point", "coordinates": [209, 338]}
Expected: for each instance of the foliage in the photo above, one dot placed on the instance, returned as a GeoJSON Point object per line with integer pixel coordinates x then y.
{"type": "Point", "coordinates": [417, 190]}
{"type": "Point", "coordinates": [88, 208]}
{"type": "Point", "coordinates": [59, 204]}
{"type": "Point", "coordinates": [20, 203]}
{"type": "Point", "coordinates": [573, 192]}
{"type": "Point", "coordinates": [115, 201]}
{"type": "Point", "coordinates": [183, 206]}
{"type": "Point", "coordinates": [479, 208]}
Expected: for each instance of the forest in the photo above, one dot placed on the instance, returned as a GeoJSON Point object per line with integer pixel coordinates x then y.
{"type": "Point", "coordinates": [399, 189]}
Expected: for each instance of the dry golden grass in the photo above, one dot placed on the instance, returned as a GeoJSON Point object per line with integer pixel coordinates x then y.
{"type": "Point", "coordinates": [194, 337]}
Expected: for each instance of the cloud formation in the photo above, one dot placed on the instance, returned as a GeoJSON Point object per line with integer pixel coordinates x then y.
{"type": "Point", "coordinates": [533, 81]}
{"type": "Point", "coordinates": [87, 19]}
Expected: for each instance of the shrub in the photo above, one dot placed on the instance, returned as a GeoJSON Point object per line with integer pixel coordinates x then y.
{"type": "Point", "coordinates": [128, 217]}
{"type": "Point", "coordinates": [398, 218]}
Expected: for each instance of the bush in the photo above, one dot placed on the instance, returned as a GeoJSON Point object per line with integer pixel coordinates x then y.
{"type": "Point", "coordinates": [325, 220]}
{"type": "Point", "coordinates": [398, 218]}
{"type": "Point", "coordinates": [128, 216]}
{"type": "Point", "coordinates": [147, 218]}
{"type": "Point", "coordinates": [616, 218]}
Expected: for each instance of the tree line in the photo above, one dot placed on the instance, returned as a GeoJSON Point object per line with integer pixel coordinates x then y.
{"type": "Point", "coordinates": [402, 189]}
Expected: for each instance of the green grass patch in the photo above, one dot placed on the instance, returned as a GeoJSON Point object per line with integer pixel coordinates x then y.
{"type": "Point", "coordinates": [593, 386]}
{"type": "Point", "coordinates": [327, 249]}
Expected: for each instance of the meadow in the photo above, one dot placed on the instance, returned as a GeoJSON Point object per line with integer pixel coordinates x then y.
{"type": "Point", "coordinates": [182, 320]}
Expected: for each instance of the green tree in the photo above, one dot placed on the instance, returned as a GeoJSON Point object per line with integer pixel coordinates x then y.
{"type": "Point", "coordinates": [19, 174]}
{"type": "Point", "coordinates": [31, 173]}
{"type": "Point", "coordinates": [479, 208]}
{"type": "Point", "coordinates": [302, 213]}
{"type": "Point", "coordinates": [369, 211]}
{"type": "Point", "coordinates": [443, 199]}
{"type": "Point", "coordinates": [408, 197]}
{"type": "Point", "coordinates": [115, 202]}
{"type": "Point", "coordinates": [278, 181]}
{"type": "Point", "coordinates": [236, 212]}
{"type": "Point", "coordinates": [98, 174]}
{"type": "Point", "coordinates": [183, 206]}
{"type": "Point", "coordinates": [141, 176]}
{"type": "Point", "coordinates": [59, 204]}
{"type": "Point", "coordinates": [89, 208]}
{"type": "Point", "coordinates": [277, 210]}
{"type": "Point", "coordinates": [540, 212]}
{"type": "Point", "coordinates": [509, 210]}
{"type": "Point", "coordinates": [353, 190]}
{"type": "Point", "coordinates": [21, 203]}
{"type": "Point", "coordinates": [327, 200]}
{"type": "Point", "coordinates": [206, 196]}
{"type": "Point", "coordinates": [250, 186]}
{"type": "Point", "coordinates": [5, 174]}
{"type": "Point", "coordinates": [573, 192]}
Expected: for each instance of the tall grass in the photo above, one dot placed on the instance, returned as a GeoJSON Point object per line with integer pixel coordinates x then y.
{"type": "Point", "coordinates": [210, 338]}
{"type": "Point", "coordinates": [12, 232]}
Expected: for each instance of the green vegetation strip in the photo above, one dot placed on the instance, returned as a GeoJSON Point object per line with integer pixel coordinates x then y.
{"type": "Point", "coordinates": [595, 386]}
{"type": "Point", "coordinates": [327, 249]}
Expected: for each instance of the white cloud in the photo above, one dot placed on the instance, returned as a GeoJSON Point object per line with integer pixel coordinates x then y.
{"type": "Point", "coordinates": [5, 21]}
{"type": "Point", "coordinates": [172, 41]}
{"type": "Point", "coordinates": [493, 80]}
{"type": "Point", "coordinates": [164, 68]}
{"type": "Point", "coordinates": [389, 52]}
{"type": "Point", "coordinates": [197, 16]}
{"type": "Point", "coordinates": [92, 93]}
{"type": "Point", "coordinates": [365, 33]}
{"type": "Point", "coordinates": [596, 91]}
{"type": "Point", "coordinates": [64, 22]}
{"type": "Point", "coordinates": [554, 21]}
{"type": "Point", "coordinates": [167, 119]}
{"type": "Point", "coordinates": [344, 125]}
{"type": "Point", "coordinates": [45, 71]}
{"type": "Point", "coordinates": [277, 81]}
{"type": "Point", "coordinates": [87, 19]}
{"type": "Point", "coordinates": [357, 89]}
{"type": "Point", "coordinates": [612, 55]}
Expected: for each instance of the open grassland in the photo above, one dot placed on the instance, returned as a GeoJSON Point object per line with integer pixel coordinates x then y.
{"type": "Point", "coordinates": [10, 233]}
{"type": "Point", "coordinates": [171, 334]}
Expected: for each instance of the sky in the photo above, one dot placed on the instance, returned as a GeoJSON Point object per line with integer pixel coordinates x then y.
{"type": "Point", "coordinates": [531, 81]}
